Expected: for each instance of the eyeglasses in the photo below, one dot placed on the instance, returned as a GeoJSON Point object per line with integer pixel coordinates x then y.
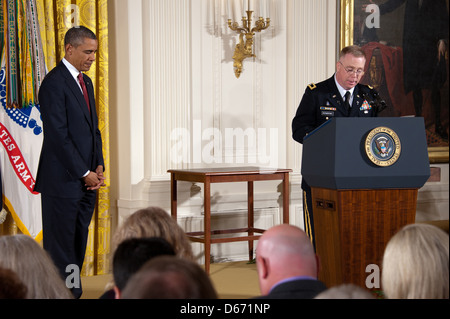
{"type": "Point", "coordinates": [351, 70]}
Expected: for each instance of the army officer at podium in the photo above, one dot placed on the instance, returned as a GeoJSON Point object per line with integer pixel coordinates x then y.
{"type": "Point", "coordinates": [339, 96]}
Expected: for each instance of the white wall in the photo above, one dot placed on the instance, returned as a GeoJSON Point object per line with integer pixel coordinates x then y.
{"type": "Point", "coordinates": [432, 201]}
{"type": "Point", "coordinates": [173, 89]}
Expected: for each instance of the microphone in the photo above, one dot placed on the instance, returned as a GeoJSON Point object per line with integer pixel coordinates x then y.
{"type": "Point", "coordinates": [380, 103]}
{"type": "Point", "coordinates": [377, 103]}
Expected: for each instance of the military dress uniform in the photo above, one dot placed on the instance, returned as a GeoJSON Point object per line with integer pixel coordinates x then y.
{"type": "Point", "coordinates": [321, 102]}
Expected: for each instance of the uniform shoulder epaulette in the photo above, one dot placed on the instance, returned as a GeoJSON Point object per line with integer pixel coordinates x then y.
{"type": "Point", "coordinates": [312, 86]}
{"type": "Point", "coordinates": [370, 87]}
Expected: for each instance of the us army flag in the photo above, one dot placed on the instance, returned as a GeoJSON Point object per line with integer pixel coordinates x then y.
{"type": "Point", "coordinates": [22, 71]}
{"type": "Point", "coordinates": [20, 147]}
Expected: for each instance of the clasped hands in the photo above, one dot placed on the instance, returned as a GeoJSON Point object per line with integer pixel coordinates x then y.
{"type": "Point", "coordinates": [95, 180]}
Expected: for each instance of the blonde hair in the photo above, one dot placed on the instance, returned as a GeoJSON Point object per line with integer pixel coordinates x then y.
{"type": "Point", "coordinates": [155, 222]}
{"type": "Point", "coordinates": [33, 266]}
{"type": "Point", "coordinates": [345, 291]}
{"type": "Point", "coordinates": [416, 264]}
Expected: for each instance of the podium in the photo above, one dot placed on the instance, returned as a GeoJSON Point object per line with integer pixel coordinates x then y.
{"type": "Point", "coordinates": [364, 175]}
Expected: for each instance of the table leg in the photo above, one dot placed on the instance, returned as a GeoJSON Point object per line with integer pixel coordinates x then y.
{"type": "Point", "coordinates": [286, 198]}
{"type": "Point", "coordinates": [173, 197]}
{"type": "Point", "coordinates": [207, 222]}
{"type": "Point", "coordinates": [250, 215]}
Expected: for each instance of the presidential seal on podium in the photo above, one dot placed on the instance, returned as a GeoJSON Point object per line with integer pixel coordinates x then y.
{"type": "Point", "coordinates": [382, 146]}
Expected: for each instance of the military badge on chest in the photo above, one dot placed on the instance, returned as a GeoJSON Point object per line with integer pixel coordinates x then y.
{"type": "Point", "coordinates": [327, 111]}
{"type": "Point", "coordinates": [366, 107]}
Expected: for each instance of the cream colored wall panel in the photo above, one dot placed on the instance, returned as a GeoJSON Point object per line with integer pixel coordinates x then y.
{"type": "Point", "coordinates": [167, 85]}
{"type": "Point", "coordinates": [432, 200]}
{"type": "Point", "coordinates": [225, 106]}
{"type": "Point", "coordinates": [136, 84]}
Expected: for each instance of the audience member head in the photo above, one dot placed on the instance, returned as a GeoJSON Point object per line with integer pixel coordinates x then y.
{"type": "Point", "coordinates": [155, 222]}
{"type": "Point", "coordinates": [170, 277]}
{"type": "Point", "coordinates": [10, 285]}
{"type": "Point", "coordinates": [33, 266]}
{"type": "Point", "coordinates": [132, 253]}
{"type": "Point", "coordinates": [284, 251]}
{"type": "Point", "coordinates": [345, 291]}
{"type": "Point", "coordinates": [415, 264]}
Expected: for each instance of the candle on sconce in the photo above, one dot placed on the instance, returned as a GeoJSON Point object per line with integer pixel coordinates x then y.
{"type": "Point", "coordinates": [236, 12]}
{"type": "Point", "coordinates": [262, 5]}
{"type": "Point", "coordinates": [211, 13]}
{"type": "Point", "coordinates": [224, 8]}
{"type": "Point", "coordinates": [256, 9]}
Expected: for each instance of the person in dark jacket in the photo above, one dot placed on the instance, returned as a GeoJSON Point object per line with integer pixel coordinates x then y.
{"type": "Point", "coordinates": [287, 264]}
{"type": "Point", "coordinates": [339, 96]}
{"type": "Point", "coordinates": [71, 164]}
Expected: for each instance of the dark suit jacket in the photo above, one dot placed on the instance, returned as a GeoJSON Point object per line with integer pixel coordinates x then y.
{"type": "Point", "coordinates": [323, 101]}
{"type": "Point", "coordinates": [297, 289]}
{"type": "Point", "coordinates": [72, 142]}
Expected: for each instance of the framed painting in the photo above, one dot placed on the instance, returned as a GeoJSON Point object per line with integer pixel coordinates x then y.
{"type": "Point", "coordinates": [406, 44]}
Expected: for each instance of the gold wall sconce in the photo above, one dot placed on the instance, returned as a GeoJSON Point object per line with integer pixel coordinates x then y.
{"type": "Point", "coordinates": [244, 49]}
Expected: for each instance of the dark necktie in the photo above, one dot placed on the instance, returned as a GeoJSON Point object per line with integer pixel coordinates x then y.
{"type": "Point", "coordinates": [347, 102]}
{"type": "Point", "coordinates": [83, 87]}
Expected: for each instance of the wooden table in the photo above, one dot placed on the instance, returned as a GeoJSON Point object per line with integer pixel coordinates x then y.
{"type": "Point", "coordinates": [228, 175]}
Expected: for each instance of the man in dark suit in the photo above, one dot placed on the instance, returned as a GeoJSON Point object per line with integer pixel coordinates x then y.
{"type": "Point", "coordinates": [287, 264]}
{"type": "Point", "coordinates": [71, 163]}
{"type": "Point", "coordinates": [339, 96]}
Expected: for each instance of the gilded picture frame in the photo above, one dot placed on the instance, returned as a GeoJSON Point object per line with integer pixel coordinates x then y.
{"type": "Point", "coordinates": [352, 15]}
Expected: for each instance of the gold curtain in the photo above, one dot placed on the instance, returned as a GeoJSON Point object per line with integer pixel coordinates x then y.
{"type": "Point", "coordinates": [55, 18]}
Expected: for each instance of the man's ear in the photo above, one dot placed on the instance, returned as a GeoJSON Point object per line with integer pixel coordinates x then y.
{"type": "Point", "coordinates": [68, 48]}
{"type": "Point", "coordinates": [263, 266]}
